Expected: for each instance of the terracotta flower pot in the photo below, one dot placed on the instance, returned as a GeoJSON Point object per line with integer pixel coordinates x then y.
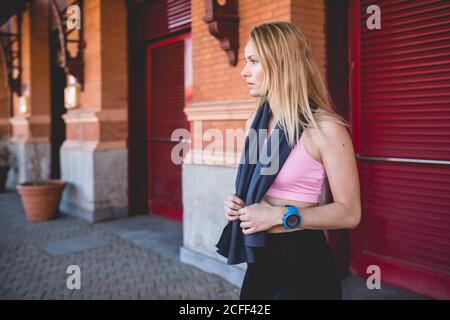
{"type": "Point", "coordinates": [41, 202]}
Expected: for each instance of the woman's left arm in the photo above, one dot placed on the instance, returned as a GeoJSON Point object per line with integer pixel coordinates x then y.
{"type": "Point", "coordinates": [338, 158]}
{"type": "Point", "coordinates": [344, 212]}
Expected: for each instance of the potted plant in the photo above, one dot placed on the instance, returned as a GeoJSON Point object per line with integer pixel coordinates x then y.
{"type": "Point", "coordinates": [40, 197]}
{"type": "Point", "coordinates": [5, 161]}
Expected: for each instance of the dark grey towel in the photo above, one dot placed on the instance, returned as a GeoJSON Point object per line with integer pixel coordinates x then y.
{"type": "Point", "coordinates": [251, 186]}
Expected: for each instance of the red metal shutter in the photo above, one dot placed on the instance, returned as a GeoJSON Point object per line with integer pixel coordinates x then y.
{"type": "Point", "coordinates": [401, 117]}
{"type": "Point", "coordinates": [165, 109]}
{"type": "Point", "coordinates": [159, 18]}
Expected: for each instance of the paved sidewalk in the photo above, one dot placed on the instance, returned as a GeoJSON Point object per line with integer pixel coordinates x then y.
{"type": "Point", "coordinates": [33, 264]}
{"type": "Point", "coordinates": [133, 258]}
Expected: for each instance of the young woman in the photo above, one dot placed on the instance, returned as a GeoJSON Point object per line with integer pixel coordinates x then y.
{"type": "Point", "coordinates": [296, 262]}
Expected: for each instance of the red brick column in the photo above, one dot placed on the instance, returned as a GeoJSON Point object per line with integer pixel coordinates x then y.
{"type": "Point", "coordinates": [35, 77]}
{"type": "Point", "coordinates": [35, 82]}
{"type": "Point", "coordinates": [101, 120]}
{"type": "Point", "coordinates": [94, 154]}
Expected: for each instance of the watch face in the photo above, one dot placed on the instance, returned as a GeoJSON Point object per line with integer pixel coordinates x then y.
{"type": "Point", "coordinates": [292, 221]}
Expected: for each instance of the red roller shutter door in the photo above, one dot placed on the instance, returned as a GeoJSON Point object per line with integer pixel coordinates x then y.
{"type": "Point", "coordinates": [400, 113]}
{"type": "Point", "coordinates": [165, 25]}
{"type": "Point", "coordinates": [159, 18]}
{"type": "Point", "coordinates": [166, 99]}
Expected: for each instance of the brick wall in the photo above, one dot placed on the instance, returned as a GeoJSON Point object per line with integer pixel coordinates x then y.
{"type": "Point", "coordinates": [214, 78]}
{"type": "Point", "coordinates": [35, 75]}
{"type": "Point", "coordinates": [105, 58]}
{"type": "Point", "coordinates": [310, 16]}
{"type": "Point", "coordinates": [40, 65]}
{"type": "Point", "coordinates": [91, 97]}
{"type": "Point", "coordinates": [217, 83]}
{"type": "Point", "coordinates": [102, 115]}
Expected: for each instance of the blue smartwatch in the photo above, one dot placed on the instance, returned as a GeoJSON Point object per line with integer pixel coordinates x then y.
{"type": "Point", "coordinates": [291, 218]}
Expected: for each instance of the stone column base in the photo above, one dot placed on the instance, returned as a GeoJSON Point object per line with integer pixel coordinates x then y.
{"type": "Point", "coordinates": [205, 188]}
{"type": "Point", "coordinates": [20, 170]}
{"type": "Point", "coordinates": [97, 181]}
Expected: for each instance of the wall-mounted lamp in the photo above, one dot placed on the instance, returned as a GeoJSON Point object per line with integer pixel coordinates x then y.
{"type": "Point", "coordinates": [72, 94]}
{"type": "Point", "coordinates": [23, 104]}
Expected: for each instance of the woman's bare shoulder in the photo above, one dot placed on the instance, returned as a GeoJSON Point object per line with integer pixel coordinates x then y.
{"type": "Point", "coordinates": [331, 129]}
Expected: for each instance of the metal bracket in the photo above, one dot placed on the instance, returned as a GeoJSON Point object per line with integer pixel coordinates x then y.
{"type": "Point", "coordinates": [71, 65]}
{"type": "Point", "coordinates": [12, 53]}
{"type": "Point", "coordinates": [223, 23]}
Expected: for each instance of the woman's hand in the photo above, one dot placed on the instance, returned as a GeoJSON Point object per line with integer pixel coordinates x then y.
{"type": "Point", "coordinates": [258, 217]}
{"type": "Point", "coordinates": [232, 206]}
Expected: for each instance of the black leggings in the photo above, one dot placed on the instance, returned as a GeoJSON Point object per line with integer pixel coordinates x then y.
{"type": "Point", "coordinates": [292, 265]}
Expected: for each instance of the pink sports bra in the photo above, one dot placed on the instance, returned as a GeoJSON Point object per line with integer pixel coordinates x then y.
{"type": "Point", "coordinates": [300, 179]}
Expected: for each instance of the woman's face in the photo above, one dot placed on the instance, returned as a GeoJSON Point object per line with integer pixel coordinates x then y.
{"type": "Point", "coordinates": [253, 72]}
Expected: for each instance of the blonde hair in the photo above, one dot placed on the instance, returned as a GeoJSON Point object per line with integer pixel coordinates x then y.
{"type": "Point", "coordinates": [291, 78]}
